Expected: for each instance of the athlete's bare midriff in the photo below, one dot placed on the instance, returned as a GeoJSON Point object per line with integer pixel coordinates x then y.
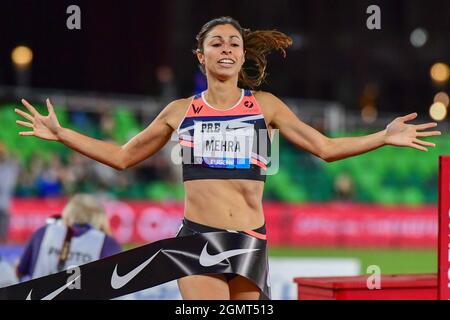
{"type": "Point", "coordinates": [227, 204]}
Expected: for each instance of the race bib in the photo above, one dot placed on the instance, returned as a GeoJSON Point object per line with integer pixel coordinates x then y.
{"type": "Point", "coordinates": [223, 144]}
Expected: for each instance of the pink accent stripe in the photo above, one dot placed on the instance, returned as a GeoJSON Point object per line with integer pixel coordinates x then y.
{"type": "Point", "coordinates": [258, 163]}
{"type": "Point", "coordinates": [187, 143]}
{"type": "Point", "coordinates": [256, 234]}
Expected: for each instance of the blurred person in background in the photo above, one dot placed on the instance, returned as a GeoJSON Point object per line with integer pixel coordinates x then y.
{"type": "Point", "coordinates": [77, 174]}
{"type": "Point", "coordinates": [107, 123]}
{"type": "Point", "coordinates": [344, 188]}
{"type": "Point", "coordinates": [166, 82]}
{"type": "Point", "coordinates": [220, 196]}
{"type": "Point", "coordinates": [81, 235]}
{"type": "Point", "coordinates": [9, 172]}
{"type": "Point", "coordinates": [28, 175]}
{"type": "Point", "coordinates": [49, 181]}
{"type": "Point", "coordinates": [25, 182]}
{"type": "Point", "coordinates": [107, 181]}
{"type": "Point", "coordinates": [7, 274]}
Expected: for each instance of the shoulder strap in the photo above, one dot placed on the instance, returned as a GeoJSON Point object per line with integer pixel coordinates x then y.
{"type": "Point", "coordinates": [64, 254]}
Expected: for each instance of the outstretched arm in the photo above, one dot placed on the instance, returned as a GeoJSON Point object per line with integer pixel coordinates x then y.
{"type": "Point", "coordinates": [397, 133]}
{"type": "Point", "coordinates": [140, 147]}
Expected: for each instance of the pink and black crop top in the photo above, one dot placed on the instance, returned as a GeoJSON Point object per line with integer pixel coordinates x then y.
{"type": "Point", "coordinates": [224, 144]}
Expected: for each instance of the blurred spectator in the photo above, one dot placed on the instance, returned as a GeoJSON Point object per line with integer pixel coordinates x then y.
{"type": "Point", "coordinates": [107, 123]}
{"type": "Point", "coordinates": [25, 184]}
{"type": "Point", "coordinates": [27, 177]}
{"type": "Point", "coordinates": [7, 276]}
{"type": "Point", "coordinates": [81, 236]}
{"type": "Point", "coordinates": [156, 168]}
{"type": "Point", "coordinates": [9, 171]}
{"type": "Point", "coordinates": [49, 182]}
{"type": "Point", "coordinates": [76, 178]}
{"type": "Point", "coordinates": [37, 165]}
{"type": "Point", "coordinates": [107, 180]}
{"type": "Point", "coordinates": [167, 88]}
{"type": "Point", "coordinates": [81, 121]}
{"type": "Point", "coordinates": [344, 187]}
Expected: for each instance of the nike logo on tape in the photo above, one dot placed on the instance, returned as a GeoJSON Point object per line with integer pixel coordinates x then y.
{"type": "Point", "coordinates": [208, 260]}
{"type": "Point", "coordinates": [118, 282]}
{"type": "Point", "coordinates": [52, 295]}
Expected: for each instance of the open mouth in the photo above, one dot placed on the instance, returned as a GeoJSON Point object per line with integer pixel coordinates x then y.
{"type": "Point", "coordinates": [226, 62]}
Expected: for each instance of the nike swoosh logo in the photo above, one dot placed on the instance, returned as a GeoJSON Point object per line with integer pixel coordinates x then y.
{"type": "Point", "coordinates": [52, 295]}
{"type": "Point", "coordinates": [118, 282]}
{"type": "Point", "coordinates": [234, 127]}
{"type": "Point", "coordinates": [207, 260]}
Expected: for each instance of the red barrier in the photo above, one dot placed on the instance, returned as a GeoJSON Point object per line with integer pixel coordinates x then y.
{"type": "Point", "coordinates": [325, 224]}
{"type": "Point", "coordinates": [392, 287]}
{"type": "Point", "coordinates": [444, 228]}
{"type": "Point", "coordinates": [362, 225]}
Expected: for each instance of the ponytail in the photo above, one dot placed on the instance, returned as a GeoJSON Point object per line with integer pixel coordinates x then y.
{"type": "Point", "coordinates": [258, 44]}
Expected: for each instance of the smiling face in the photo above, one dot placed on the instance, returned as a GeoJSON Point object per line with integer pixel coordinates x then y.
{"type": "Point", "coordinates": [223, 52]}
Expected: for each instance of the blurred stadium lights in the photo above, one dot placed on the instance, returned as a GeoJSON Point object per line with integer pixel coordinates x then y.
{"type": "Point", "coordinates": [438, 111]}
{"type": "Point", "coordinates": [443, 98]}
{"type": "Point", "coordinates": [418, 37]}
{"type": "Point", "coordinates": [22, 58]}
{"type": "Point", "coordinates": [440, 72]}
{"type": "Point", "coordinates": [369, 114]}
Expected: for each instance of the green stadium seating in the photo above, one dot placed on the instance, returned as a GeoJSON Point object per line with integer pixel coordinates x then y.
{"type": "Point", "coordinates": [388, 175]}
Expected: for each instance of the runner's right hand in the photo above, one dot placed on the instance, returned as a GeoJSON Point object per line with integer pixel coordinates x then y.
{"type": "Point", "coordinates": [44, 127]}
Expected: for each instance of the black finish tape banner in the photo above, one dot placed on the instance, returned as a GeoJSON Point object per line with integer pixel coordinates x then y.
{"type": "Point", "coordinates": [152, 265]}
